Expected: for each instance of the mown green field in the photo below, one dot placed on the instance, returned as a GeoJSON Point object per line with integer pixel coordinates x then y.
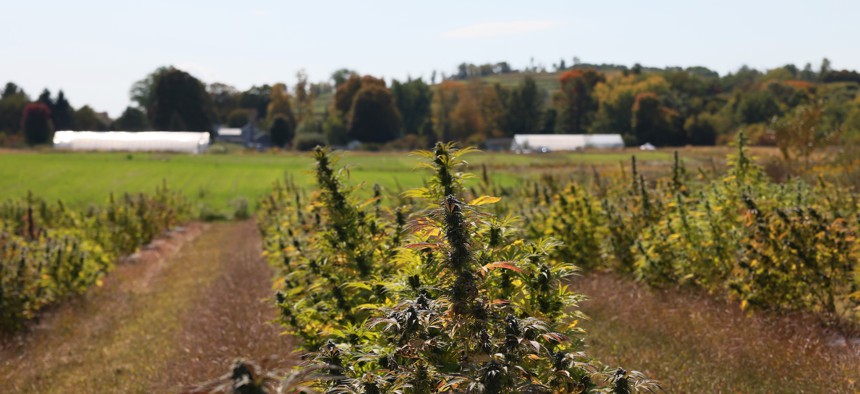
{"type": "Point", "coordinates": [215, 180]}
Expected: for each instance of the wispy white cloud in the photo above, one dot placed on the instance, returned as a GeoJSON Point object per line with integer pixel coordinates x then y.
{"type": "Point", "coordinates": [500, 29]}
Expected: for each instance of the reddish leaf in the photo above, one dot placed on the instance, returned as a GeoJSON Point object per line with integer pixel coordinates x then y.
{"type": "Point", "coordinates": [422, 245]}
{"type": "Point", "coordinates": [501, 264]}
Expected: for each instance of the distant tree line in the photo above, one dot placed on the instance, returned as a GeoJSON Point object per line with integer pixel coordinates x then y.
{"type": "Point", "coordinates": [34, 121]}
{"type": "Point", "coordinates": [666, 107]}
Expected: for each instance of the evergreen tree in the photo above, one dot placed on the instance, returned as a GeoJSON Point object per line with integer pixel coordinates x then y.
{"type": "Point", "coordinates": [36, 124]}
{"type": "Point", "coordinates": [11, 89]}
{"type": "Point", "coordinates": [63, 113]}
{"type": "Point", "coordinates": [45, 98]}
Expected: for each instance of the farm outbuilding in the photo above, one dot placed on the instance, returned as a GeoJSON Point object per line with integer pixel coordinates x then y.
{"type": "Point", "coordinates": [160, 141]}
{"type": "Point", "coordinates": [230, 133]}
{"type": "Point", "coordinates": [565, 142]}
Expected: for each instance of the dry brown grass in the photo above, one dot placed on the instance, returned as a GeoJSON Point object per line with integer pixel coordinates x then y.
{"type": "Point", "coordinates": [164, 320]}
{"type": "Point", "coordinates": [693, 343]}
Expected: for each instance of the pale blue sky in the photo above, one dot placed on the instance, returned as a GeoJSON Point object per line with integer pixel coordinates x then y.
{"type": "Point", "coordinates": [95, 49]}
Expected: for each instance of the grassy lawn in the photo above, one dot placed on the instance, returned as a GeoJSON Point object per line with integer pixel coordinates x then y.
{"type": "Point", "coordinates": [214, 180]}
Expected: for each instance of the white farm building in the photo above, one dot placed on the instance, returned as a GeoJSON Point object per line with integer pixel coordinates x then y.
{"type": "Point", "coordinates": [159, 141]}
{"type": "Point", "coordinates": [565, 142]}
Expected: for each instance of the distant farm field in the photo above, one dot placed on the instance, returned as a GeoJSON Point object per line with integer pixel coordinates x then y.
{"type": "Point", "coordinates": [215, 180]}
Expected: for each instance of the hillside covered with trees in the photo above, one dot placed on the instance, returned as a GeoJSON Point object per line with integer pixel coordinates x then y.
{"type": "Point", "coordinates": [664, 106]}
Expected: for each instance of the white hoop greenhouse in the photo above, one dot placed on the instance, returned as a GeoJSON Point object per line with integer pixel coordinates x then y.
{"type": "Point", "coordinates": [565, 142]}
{"type": "Point", "coordinates": [158, 141]}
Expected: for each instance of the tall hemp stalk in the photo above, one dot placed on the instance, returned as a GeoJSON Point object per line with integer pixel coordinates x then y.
{"type": "Point", "coordinates": [471, 309]}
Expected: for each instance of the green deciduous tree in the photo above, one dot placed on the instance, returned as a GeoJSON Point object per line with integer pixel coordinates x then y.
{"type": "Point", "coordinates": [373, 115]}
{"type": "Point", "coordinates": [345, 94]}
{"type": "Point", "coordinates": [413, 99]}
{"type": "Point", "coordinates": [335, 130]}
{"type": "Point", "coordinates": [654, 123]}
{"type": "Point", "coordinates": [177, 94]}
{"type": "Point", "coordinates": [701, 129]}
{"type": "Point", "coordinates": [308, 141]}
{"type": "Point", "coordinates": [279, 105]}
{"type": "Point", "coordinates": [341, 76]}
{"type": "Point", "coordinates": [467, 121]}
{"type": "Point", "coordinates": [257, 99]}
{"type": "Point", "coordinates": [524, 108]}
{"type": "Point", "coordinates": [757, 107]}
{"type": "Point", "coordinates": [443, 103]}
{"type": "Point", "coordinates": [494, 110]}
{"type": "Point", "coordinates": [12, 108]}
{"type": "Point", "coordinates": [310, 125]}
{"type": "Point", "coordinates": [617, 96]}
{"type": "Point", "coordinates": [800, 132]}
{"type": "Point", "coordinates": [304, 97]}
{"type": "Point", "coordinates": [575, 102]}
{"type": "Point", "coordinates": [87, 119]}
{"type": "Point", "coordinates": [282, 130]}
{"type": "Point", "coordinates": [143, 92]}
{"type": "Point", "coordinates": [225, 99]}
{"type": "Point", "coordinates": [238, 118]}
{"type": "Point", "coordinates": [132, 119]}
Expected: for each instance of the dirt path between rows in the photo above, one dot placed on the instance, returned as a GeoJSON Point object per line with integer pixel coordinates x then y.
{"type": "Point", "coordinates": [695, 343]}
{"type": "Point", "coordinates": [175, 315]}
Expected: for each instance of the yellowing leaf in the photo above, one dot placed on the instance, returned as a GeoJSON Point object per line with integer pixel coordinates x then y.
{"type": "Point", "coordinates": [485, 200]}
{"type": "Point", "coordinates": [417, 193]}
{"type": "Point", "coordinates": [370, 201]}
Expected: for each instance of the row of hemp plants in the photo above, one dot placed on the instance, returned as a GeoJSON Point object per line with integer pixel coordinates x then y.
{"type": "Point", "coordinates": [49, 251]}
{"type": "Point", "coordinates": [785, 246]}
